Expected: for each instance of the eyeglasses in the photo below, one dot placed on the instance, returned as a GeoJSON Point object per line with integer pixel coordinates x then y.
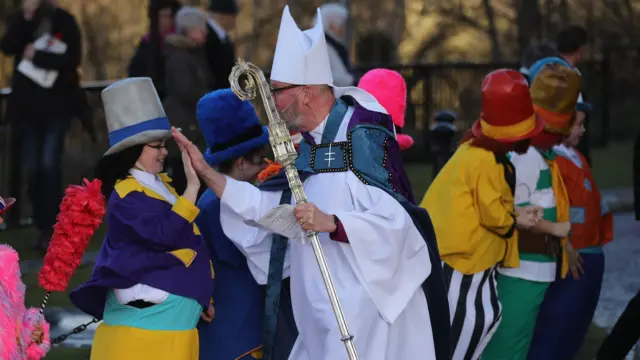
{"type": "Point", "coordinates": [277, 90]}
{"type": "Point", "coordinates": [157, 147]}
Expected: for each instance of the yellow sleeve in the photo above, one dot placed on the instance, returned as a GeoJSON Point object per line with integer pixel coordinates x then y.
{"type": "Point", "coordinates": [186, 209]}
{"type": "Point", "coordinates": [494, 201]}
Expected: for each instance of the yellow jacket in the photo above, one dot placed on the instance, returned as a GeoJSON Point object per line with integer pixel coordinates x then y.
{"type": "Point", "coordinates": [471, 205]}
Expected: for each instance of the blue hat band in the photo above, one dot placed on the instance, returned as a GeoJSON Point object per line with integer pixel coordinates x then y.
{"type": "Point", "coordinates": [161, 123]}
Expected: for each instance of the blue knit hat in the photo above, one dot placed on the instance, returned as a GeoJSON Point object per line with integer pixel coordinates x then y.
{"type": "Point", "coordinates": [230, 126]}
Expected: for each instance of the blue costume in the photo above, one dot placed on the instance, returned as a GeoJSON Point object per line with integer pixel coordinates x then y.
{"type": "Point", "coordinates": [232, 129]}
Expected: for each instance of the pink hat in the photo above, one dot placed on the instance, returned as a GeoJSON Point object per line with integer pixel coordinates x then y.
{"type": "Point", "coordinates": [390, 89]}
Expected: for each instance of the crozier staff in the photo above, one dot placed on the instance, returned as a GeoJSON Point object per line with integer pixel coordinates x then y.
{"type": "Point", "coordinates": [379, 248]}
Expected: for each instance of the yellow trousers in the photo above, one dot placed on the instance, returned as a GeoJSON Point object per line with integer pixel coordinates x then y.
{"type": "Point", "coordinates": [128, 343]}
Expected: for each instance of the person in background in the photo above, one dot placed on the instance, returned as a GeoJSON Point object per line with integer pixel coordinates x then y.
{"type": "Point", "coordinates": [187, 78]}
{"type": "Point", "coordinates": [147, 61]}
{"type": "Point", "coordinates": [569, 304]}
{"type": "Point", "coordinates": [570, 43]}
{"type": "Point", "coordinates": [334, 21]}
{"type": "Point", "coordinates": [441, 139]}
{"type": "Point", "coordinates": [625, 333]}
{"type": "Point", "coordinates": [42, 114]}
{"type": "Point", "coordinates": [219, 48]}
{"type": "Point", "coordinates": [535, 53]}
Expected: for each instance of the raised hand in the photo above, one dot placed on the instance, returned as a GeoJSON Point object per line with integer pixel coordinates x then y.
{"type": "Point", "coordinates": [197, 160]}
{"type": "Point", "coordinates": [189, 171]}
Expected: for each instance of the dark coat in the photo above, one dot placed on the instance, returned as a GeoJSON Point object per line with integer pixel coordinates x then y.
{"type": "Point", "coordinates": [221, 57]}
{"type": "Point", "coordinates": [28, 100]}
{"type": "Point", "coordinates": [140, 65]}
{"type": "Point", "coordinates": [187, 79]}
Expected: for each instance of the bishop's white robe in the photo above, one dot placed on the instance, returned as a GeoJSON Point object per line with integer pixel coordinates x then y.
{"type": "Point", "coordinates": [377, 275]}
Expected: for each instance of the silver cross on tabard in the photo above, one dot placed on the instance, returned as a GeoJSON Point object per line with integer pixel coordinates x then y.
{"type": "Point", "coordinates": [329, 156]}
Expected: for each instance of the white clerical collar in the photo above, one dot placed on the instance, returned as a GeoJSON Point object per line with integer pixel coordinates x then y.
{"type": "Point", "coordinates": [219, 30]}
{"type": "Point", "coordinates": [319, 130]}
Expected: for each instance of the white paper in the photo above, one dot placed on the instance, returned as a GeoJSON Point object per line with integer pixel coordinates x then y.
{"type": "Point", "coordinates": [43, 77]}
{"type": "Point", "coordinates": [280, 220]}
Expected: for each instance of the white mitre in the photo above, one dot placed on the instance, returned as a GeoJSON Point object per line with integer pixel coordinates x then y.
{"type": "Point", "coordinates": [301, 58]}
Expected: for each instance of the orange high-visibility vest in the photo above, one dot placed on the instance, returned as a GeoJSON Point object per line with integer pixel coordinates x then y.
{"type": "Point", "coordinates": [591, 220]}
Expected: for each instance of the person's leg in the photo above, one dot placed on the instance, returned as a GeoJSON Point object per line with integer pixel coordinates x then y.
{"type": "Point", "coordinates": [624, 334]}
{"type": "Point", "coordinates": [51, 175]}
{"type": "Point", "coordinates": [475, 310]}
{"type": "Point", "coordinates": [521, 301]}
{"type": "Point", "coordinates": [566, 313]}
{"type": "Point", "coordinates": [31, 145]}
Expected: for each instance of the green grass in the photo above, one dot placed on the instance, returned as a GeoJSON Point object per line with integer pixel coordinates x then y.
{"type": "Point", "coordinates": [23, 240]}
{"type": "Point", "coordinates": [35, 293]}
{"type": "Point", "coordinates": [613, 165]}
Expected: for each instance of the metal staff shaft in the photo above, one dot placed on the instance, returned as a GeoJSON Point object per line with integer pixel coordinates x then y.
{"type": "Point", "coordinates": [286, 154]}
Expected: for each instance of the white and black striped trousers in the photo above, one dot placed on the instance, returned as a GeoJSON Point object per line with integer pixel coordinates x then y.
{"type": "Point", "coordinates": [475, 310]}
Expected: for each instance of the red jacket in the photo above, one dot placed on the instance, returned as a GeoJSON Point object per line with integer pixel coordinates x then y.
{"type": "Point", "coordinates": [591, 220]}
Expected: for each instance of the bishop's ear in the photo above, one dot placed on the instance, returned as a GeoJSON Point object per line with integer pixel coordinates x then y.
{"type": "Point", "coordinates": [307, 94]}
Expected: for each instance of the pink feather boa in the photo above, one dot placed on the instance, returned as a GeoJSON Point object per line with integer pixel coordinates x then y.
{"type": "Point", "coordinates": [16, 322]}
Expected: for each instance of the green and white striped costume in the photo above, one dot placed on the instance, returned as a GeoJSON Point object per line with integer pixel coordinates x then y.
{"type": "Point", "coordinates": [534, 187]}
{"type": "Point", "coordinates": [522, 290]}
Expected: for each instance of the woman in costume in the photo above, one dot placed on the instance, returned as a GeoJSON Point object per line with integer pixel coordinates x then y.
{"type": "Point", "coordinates": [153, 276]}
{"type": "Point", "coordinates": [554, 91]}
{"type": "Point", "coordinates": [471, 203]}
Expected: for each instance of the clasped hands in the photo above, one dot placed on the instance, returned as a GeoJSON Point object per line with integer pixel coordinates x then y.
{"type": "Point", "coordinates": [528, 216]}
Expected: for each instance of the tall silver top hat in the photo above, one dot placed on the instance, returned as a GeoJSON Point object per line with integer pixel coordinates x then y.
{"type": "Point", "coordinates": [134, 114]}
